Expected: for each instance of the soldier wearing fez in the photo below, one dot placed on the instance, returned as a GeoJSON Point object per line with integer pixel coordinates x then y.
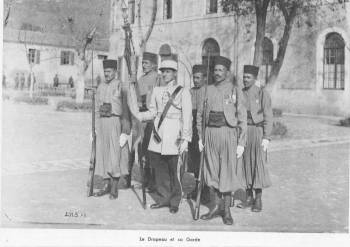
{"type": "Point", "coordinates": [172, 130]}
{"type": "Point", "coordinates": [225, 138]}
{"type": "Point", "coordinates": [144, 88]}
{"type": "Point", "coordinates": [199, 77]}
{"type": "Point", "coordinates": [254, 172]}
{"type": "Point", "coordinates": [112, 128]}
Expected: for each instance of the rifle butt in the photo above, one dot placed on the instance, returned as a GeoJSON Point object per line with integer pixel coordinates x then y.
{"type": "Point", "coordinates": [199, 187]}
{"type": "Point", "coordinates": [92, 169]}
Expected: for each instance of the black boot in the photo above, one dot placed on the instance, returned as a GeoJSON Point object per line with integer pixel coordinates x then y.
{"type": "Point", "coordinates": [128, 181]}
{"type": "Point", "coordinates": [257, 207]}
{"type": "Point", "coordinates": [149, 177]}
{"type": "Point", "coordinates": [114, 188]}
{"type": "Point", "coordinates": [217, 210]}
{"type": "Point", "coordinates": [249, 200]}
{"type": "Point", "coordinates": [105, 190]}
{"type": "Point", "coordinates": [227, 218]}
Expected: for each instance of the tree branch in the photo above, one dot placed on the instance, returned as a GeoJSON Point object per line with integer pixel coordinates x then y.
{"type": "Point", "coordinates": [150, 28]}
{"type": "Point", "coordinates": [283, 8]}
{"type": "Point", "coordinates": [283, 43]}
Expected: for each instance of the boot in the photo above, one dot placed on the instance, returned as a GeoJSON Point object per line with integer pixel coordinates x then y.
{"type": "Point", "coordinates": [114, 188]}
{"type": "Point", "coordinates": [249, 201]}
{"type": "Point", "coordinates": [227, 218]}
{"type": "Point", "coordinates": [217, 210]}
{"type": "Point", "coordinates": [257, 207]}
{"type": "Point", "coordinates": [106, 189]}
{"type": "Point", "coordinates": [149, 179]}
{"type": "Point", "coordinates": [128, 181]}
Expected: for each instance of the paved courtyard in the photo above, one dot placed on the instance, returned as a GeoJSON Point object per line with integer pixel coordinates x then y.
{"type": "Point", "coordinates": [44, 171]}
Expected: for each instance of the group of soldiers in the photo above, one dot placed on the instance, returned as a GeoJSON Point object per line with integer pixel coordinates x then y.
{"type": "Point", "coordinates": [234, 138]}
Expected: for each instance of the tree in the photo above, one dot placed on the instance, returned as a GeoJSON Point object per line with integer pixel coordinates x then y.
{"type": "Point", "coordinates": [289, 9]}
{"type": "Point", "coordinates": [145, 38]}
{"type": "Point", "coordinates": [7, 10]}
{"type": "Point", "coordinates": [84, 27]}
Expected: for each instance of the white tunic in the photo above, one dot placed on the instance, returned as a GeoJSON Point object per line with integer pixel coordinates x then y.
{"type": "Point", "coordinates": [177, 125]}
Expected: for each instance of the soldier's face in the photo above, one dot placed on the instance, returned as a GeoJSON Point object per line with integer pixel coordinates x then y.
{"type": "Point", "coordinates": [220, 73]}
{"type": "Point", "coordinates": [147, 66]}
{"type": "Point", "coordinates": [198, 79]}
{"type": "Point", "coordinates": [168, 75]}
{"type": "Point", "coordinates": [109, 74]}
{"type": "Point", "coordinates": [248, 79]}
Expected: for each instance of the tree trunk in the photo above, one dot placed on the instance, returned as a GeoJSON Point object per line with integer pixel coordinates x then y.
{"type": "Point", "coordinates": [151, 25]}
{"type": "Point", "coordinates": [261, 12]}
{"type": "Point", "coordinates": [80, 84]}
{"type": "Point", "coordinates": [283, 44]}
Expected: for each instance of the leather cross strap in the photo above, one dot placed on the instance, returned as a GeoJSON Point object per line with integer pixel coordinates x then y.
{"type": "Point", "coordinates": [165, 111]}
{"type": "Point", "coordinates": [168, 104]}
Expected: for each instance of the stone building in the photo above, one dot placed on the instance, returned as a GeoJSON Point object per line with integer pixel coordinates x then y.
{"type": "Point", "coordinates": [38, 38]}
{"type": "Point", "coordinates": [315, 76]}
{"type": "Point", "coordinates": [45, 54]}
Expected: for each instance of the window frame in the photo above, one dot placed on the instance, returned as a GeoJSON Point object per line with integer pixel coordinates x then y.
{"type": "Point", "coordinates": [66, 57]}
{"type": "Point", "coordinates": [331, 77]}
{"type": "Point", "coordinates": [167, 11]}
{"type": "Point", "coordinates": [33, 56]}
{"type": "Point", "coordinates": [212, 6]}
{"type": "Point", "coordinates": [268, 58]}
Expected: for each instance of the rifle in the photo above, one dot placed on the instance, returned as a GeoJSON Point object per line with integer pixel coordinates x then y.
{"type": "Point", "coordinates": [129, 56]}
{"type": "Point", "coordinates": [93, 130]}
{"type": "Point", "coordinates": [200, 175]}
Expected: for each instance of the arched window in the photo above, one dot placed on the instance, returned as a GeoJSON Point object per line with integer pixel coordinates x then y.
{"type": "Point", "coordinates": [267, 60]}
{"type": "Point", "coordinates": [210, 49]}
{"type": "Point", "coordinates": [333, 63]}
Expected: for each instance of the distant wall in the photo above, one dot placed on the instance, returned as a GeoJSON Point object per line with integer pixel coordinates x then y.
{"type": "Point", "coordinates": [15, 61]}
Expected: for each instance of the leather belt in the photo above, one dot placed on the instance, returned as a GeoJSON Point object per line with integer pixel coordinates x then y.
{"type": "Point", "coordinates": [112, 115]}
{"type": "Point", "coordinates": [217, 119]}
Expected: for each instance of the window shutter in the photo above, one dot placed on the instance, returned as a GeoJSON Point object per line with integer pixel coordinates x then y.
{"type": "Point", "coordinates": [62, 57]}
{"type": "Point", "coordinates": [71, 58]}
{"type": "Point", "coordinates": [37, 57]}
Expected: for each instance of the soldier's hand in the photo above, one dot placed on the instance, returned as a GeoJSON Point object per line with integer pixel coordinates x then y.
{"type": "Point", "coordinates": [200, 145]}
{"type": "Point", "coordinates": [240, 150]}
{"type": "Point", "coordinates": [123, 139]}
{"type": "Point", "coordinates": [183, 146]}
{"type": "Point", "coordinates": [265, 144]}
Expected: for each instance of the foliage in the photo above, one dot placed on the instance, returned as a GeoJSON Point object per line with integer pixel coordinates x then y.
{"type": "Point", "coordinates": [345, 122]}
{"type": "Point", "coordinates": [279, 129]}
{"type": "Point", "coordinates": [33, 101]}
{"type": "Point", "coordinates": [73, 106]}
{"type": "Point", "coordinates": [288, 9]}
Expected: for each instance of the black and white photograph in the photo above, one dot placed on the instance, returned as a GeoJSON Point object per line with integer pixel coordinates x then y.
{"type": "Point", "coordinates": [175, 122]}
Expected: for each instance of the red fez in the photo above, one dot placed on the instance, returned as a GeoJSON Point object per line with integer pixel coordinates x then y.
{"type": "Point", "coordinates": [110, 64]}
{"type": "Point", "coordinates": [251, 69]}
{"type": "Point", "coordinates": [152, 57]}
{"type": "Point", "coordinates": [222, 61]}
{"type": "Point", "coordinates": [198, 68]}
